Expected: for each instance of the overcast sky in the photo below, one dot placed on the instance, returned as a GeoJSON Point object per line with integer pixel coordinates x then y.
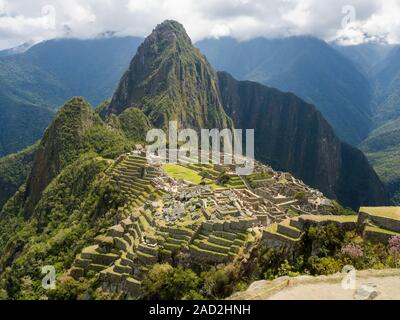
{"type": "Point", "coordinates": [352, 21]}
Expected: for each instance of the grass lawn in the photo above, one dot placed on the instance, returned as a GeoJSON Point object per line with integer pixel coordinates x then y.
{"type": "Point", "coordinates": [387, 212]}
{"type": "Point", "coordinates": [179, 172]}
{"type": "Point", "coordinates": [342, 219]}
{"type": "Point", "coordinates": [380, 230]}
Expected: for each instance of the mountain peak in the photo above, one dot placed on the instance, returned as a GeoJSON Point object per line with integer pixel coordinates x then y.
{"type": "Point", "coordinates": [171, 35]}
{"type": "Point", "coordinates": [169, 79]}
{"type": "Point", "coordinates": [60, 145]}
{"type": "Point", "coordinates": [170, 26]}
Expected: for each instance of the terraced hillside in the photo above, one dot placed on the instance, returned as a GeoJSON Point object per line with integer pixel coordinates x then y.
{"type": "Point", "coordinates": [374, 224]}
{"type": "Point", "coordinates": [133, 178]}
{"type": "Point", "coordinates": [187, 214]}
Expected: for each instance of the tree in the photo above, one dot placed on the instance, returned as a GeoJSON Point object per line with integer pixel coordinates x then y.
{"type": "Point", "coordinates": [216, 283]}
{"type": "Point", "coordinates": [163, 282]}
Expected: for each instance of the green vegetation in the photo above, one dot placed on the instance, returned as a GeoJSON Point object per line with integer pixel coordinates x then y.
{"type": "Point", "coordinates": [383, 151]}
{"type": "Point", "coordinates": [158, 87]}
{"type": "Point", "coordinates": [14, 170]}
{"type": "Point", "coordinates": [73, 199]}
{"type": "Point", "coordinates": [134, 124]}
{"type": "Point", "coordinates": [180, 172]}
{"type": "Point", "coordinates": [77, 129]}
{"type": "Point", "coordinates": [342, 219]}
{"type": "Point", "coordinates": [35, 83]}
{"type": "Point", "coordinates": [223, 179]}
{"type": "Point", "coordinates": [323, 251]}
{"type": "Point", "coordinates": [79, 187]}
{"type": "Point", "coordinates": [339, 210]}
{"type": "Point", "coordinates": [77, 205]}
{"type": "Point", "coordinates": [190, 175]}
{"type": "Point", "coordinates": [167, 283]}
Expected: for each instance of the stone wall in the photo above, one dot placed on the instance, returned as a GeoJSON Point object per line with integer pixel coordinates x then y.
{"type": "Point", "coordinates": [382, 222]}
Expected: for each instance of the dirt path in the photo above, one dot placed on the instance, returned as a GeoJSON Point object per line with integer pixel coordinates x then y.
{"type": "Point", "coordinates": [388, 287]}
{"type": "Point", "coordinates": [387, 283]}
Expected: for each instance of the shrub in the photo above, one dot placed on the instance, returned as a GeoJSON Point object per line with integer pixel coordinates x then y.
{"type": "Point", "coordinates": [216, 283]}
{"type": "Point", "coordinates": [353, 251]}
{"type": "Point", "coordinates": [394, 245]}
{"type": "Point", "coordinates": [163, 282]}
{"type": "Point", "coordinates": [324, 265]}
{"type": "Point", "coordinates": [329, 238]}
{"type": "Point", "coordinates": [155, 280]}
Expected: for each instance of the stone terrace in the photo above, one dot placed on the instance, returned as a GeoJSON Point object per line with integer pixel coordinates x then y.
{"type": "Point", "coordinates": [165, 218]}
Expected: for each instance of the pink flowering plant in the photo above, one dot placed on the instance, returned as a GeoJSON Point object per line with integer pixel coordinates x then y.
{"type": "Point", "coordinates": [353, 251]}
{"type": "Point", "coordinates": [394, 245]}
{"type": "Point", "coordinates": [394, 250]}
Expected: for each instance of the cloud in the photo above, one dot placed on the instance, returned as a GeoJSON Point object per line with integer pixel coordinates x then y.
{"type": "Point", "coordinates": [24, 20]}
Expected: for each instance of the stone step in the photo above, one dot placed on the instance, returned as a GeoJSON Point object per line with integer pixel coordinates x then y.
{"type": "Point", "coordinates": [82, 263]}
{"type": "Point", "coordinates": [148, 250]}
{"type": "Point", "coordinates": [177, 231]}
{"type": "Point", "coordinates": [133, 164]}
{"type": "Point", "coordinates": [135, 159]}
{"type": "Point", "coordinates": [146, 259]}
{"type": "Point", "coordinates": [99, 258]}
{"type": "Point", "coordinates": [239, 242]}
{"type": "Point", "coordinates": [225, 235]}
{"type": "Point", "coordinates": [180, 237]}
{"type": "Point", "coordinates": [296, 223]}
{"type": "Point", "coordinates": [104, 241]}
{"type": "Point", "coordinates": [129, 239]}
{"type": "Point", "coordinates": [120, 268]}
{"type": "Point", "coordinates": [172, 247]}
{"type": "Point", "coordinates": [220, 241]}
{"type": "Point", "coordinates": [133, 286]}
{"type": "Point", "coordinates": [148, 217]}
{"type": "Point", "coordinates": [140, 185]}
{"type": "Point", "coordinates": [96, 267]}
{"type": "Point", "coordinates": [375, 234]}
{"type": "Point", "coordinates": [165, 254]}
{"type": "Point", "coordinates": [143, 224]}
{"type": "Point", "coordinates": [234, 249]}
{"type": "Point", "coordinates": [121, 244]}
{"type": "Point", "coordinates": [126, 261]}
{"type": "Point", "coordinates": [287, 230]}
{"type": "Point", "coordinates": [202, 237]}
{"type": "Point", "coordinates": [132, 231]}
{"type": "Point", "coordinates": [175, 241]}
{"type": "Point", "coordinates": [111, 276]}
{"type": "Point", "coordinates": [271, 234]}
{"type": "Point", "coordinates": [131, 256]}
{"type": "Point", "coordinates": [76, 273]}
{"type": "Point", "coordinates": [116, 231]}
{"type": "Point", "coordinates": [132, 176]}
{"type": "Point", "coordinates": [138, 230]}
{"type": "Point", "coordinates": [205, 256]}
{"type": "Point", "coordinates": [203, 244]}
{"type": "Point", "coordinates": [162, 234]}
